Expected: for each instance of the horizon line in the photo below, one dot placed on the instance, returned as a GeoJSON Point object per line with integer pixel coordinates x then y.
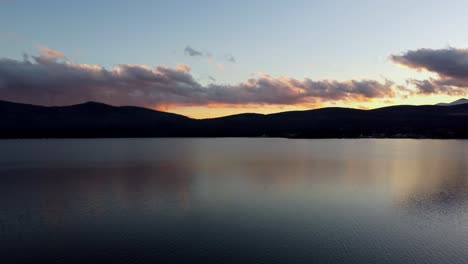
{"type": "Point", "coordinates": [246, 113]}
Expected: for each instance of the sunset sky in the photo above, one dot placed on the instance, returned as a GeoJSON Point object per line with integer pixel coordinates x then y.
{"type": "Point", "coordinates": [214, 58]}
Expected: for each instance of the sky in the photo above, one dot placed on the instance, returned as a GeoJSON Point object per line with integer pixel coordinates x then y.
{"type": "Point", "coordinates": [214, 58]}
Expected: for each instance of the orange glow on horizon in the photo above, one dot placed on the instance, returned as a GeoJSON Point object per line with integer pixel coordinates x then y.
{"type": "Point", "coordinates": [213, 110]}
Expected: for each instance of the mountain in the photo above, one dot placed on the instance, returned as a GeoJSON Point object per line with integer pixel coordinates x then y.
{"type": "Point", "coordinates": [89, 119]}
{"type": "Point", "coordinates": [100, 120]}
{"type": "Point", "coordinates": [457, 102]}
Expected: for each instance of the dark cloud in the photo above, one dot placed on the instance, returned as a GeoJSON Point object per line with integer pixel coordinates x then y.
{"type": "Point", "coordinates": [449, 62]}
{"type": "Point", "coordinates": [192, 52]}
{"type": "Point", "coordinates": [451, 66]}
{"type": "Point", "coordinates": [446, 86]}
{"type": "Point", "coordinates": [50, 79]}
{"type": "Point", "coordinates": [424, 86]}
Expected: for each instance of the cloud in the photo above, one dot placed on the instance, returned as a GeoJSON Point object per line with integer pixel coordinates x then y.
{"type": "Point", "coordinates": [183, 67]}
{"type": "Point", "coordinates": [450, 65]}
{"type": "Point", "coordinates": [196, 53]}
{"type": "Point", "coordinates": [289, 91]}
{"type": "Point", "coordinates": [446, 86]}
{"type": "Point", "coordinates": [51, 79]}
{"type": "Point", "coordinates": [49, 54]}
{"type": "Point", "coordinates": [230, 58]}
{"type": "Point", "coordinates": [448, 62]}
{"type": "Point", "coordinates": [192, 52]}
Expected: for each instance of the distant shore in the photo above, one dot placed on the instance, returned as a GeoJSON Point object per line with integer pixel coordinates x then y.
{"type": "Point", "coordinates": [97, 120]}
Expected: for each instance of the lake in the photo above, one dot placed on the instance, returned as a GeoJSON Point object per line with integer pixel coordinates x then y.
{"type": "Point", "coordinates": [228, 200]}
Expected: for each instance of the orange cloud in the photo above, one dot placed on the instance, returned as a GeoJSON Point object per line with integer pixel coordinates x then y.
{"type": "Point", "coordinates": [183, 67]}
{"type": "Point", "coordinates": [49, 54]}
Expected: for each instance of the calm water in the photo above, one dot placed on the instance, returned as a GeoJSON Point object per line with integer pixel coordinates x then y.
{"type": "Point", "coordinates": [234, 201]}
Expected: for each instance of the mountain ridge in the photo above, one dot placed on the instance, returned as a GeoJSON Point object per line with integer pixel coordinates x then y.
{"type": "Point", "coordinates": [98, 120]}
{"type": "Point", "coordinates": [456, 102]}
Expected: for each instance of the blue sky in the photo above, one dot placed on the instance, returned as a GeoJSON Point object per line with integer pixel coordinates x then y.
{"type": "Point", "coordinates": [315, 39]}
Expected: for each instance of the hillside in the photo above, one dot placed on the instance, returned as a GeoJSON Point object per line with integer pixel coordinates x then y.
{"type": "Point", "coordinates": [100, 120]}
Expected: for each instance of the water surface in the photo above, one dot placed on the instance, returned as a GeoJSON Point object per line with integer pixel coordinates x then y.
{"type": "Point", "coordinates": [234, 201]}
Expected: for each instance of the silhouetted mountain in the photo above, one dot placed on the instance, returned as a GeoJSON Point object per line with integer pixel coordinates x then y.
{"type": "Point", "coordinates": [100, 120]}
{"type": "Point", "coordinates": [457, 102]}
{"type": "Point", "coordinates": [87, 120]}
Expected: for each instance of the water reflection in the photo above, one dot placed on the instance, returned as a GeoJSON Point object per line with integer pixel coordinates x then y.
{"type": "Point", "coordinates": [381, 201]}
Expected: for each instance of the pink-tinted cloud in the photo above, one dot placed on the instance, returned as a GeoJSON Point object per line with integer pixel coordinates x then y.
{"type": "Point", "coordinates": [49, 54]}
{"type": "Point", "coordinates": [51, 79]}
{"type": "Point", "coordinates": [183, 67]}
